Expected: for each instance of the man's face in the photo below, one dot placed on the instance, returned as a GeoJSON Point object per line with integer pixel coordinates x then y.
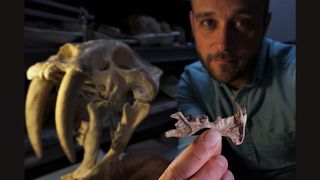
{"type": "Point", "coordinates": [228, 35]}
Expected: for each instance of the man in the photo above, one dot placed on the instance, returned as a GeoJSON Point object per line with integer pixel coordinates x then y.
{"type": "Point", "coordinates": [238, 64]}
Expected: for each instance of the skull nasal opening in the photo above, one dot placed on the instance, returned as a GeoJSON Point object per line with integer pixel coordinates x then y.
{"type": "Point", "coordinates": [123, 58]}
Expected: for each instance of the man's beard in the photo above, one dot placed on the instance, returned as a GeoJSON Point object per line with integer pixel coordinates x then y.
{"type": "Point", "coordinates": [227, 73]}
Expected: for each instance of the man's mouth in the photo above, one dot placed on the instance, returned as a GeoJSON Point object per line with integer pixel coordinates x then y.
{"type": "Point", "coordinates": [222, 58]}
{"type": "Point", "coordinates": [223, 61]}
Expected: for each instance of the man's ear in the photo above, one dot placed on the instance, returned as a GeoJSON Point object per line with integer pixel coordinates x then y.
{"type": "Point", "coordinates": [191, 21]}
{"type": "Point", "coordinates": [266, 21]}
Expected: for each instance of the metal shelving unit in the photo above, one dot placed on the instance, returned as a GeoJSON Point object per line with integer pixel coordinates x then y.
{"type": "Point", "coordinates": [81, 15]}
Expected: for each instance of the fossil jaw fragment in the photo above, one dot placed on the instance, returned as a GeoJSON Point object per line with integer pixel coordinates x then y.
{"type": "Point", "coordinates": [232, 127]}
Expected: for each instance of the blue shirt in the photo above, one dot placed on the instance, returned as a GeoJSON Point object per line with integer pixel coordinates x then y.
{"type": "Point", "coordinates": [269, 98]}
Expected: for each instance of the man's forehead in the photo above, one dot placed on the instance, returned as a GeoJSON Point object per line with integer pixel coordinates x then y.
{"type": "Point", "coordinates": [243, 3]}
{"type": "Point", "coordinates": [238, 6]}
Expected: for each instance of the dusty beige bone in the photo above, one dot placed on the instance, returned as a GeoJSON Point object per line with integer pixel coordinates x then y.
{"type": "Point", "coordinates": [91, 143]}
{"type": "Point", "coordinates": [65, 108]}
{"type": "Point", "coordinates": [98, 74]}
{"type": "Point", "coordinates": [36, 100]}
{"type": "Point", "coordinates": [232, 127]}
{"type": "Point", "coordinates": [132, 116]}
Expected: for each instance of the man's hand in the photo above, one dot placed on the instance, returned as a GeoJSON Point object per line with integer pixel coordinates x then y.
{"type": "Point", "coordinates": [200, 160]}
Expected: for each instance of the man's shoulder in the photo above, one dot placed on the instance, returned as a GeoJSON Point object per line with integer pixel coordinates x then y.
{"type": "Point", "coordinates": [281, 63]}
{"type": "Point", "coordinates": [195, 70]}
{"type": "Point", "coordinates": [196, 73]}
{"type": "Point", "coordinates": [283, 53]}
{"type": "Point", "coordinates": [195, 67]}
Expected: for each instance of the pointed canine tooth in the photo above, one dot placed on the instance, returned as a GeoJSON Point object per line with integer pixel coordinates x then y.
{"type": "Point", "coordinates": [65, 109]}
{"type": "Point", "coordinates": [36, 102]}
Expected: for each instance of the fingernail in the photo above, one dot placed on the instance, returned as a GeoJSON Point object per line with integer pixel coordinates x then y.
{"type": "Point", "coordinates": [211, 138]}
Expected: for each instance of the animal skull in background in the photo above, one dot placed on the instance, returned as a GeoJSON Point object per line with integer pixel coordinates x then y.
{"type": "Point", "coordinates": [95, 79]}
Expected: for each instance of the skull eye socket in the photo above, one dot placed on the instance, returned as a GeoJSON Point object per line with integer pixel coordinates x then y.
{"type": "Point", "coordinates": [100, 65]}
{"type": "Point", "coordinates": [104, 66]}
{"type": "Point", "coordinates": [123, 58]}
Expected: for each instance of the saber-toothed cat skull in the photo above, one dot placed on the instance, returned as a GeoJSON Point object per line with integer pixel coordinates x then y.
{"type": "Point", "coordinates": [94, 78]}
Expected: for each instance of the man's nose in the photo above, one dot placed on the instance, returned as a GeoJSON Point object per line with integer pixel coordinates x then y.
{"type": "Point", "coordinates": [224, 39]}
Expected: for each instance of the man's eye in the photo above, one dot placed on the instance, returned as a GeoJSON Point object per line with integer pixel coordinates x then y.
{"type": "Point", "coordinates": [243, 24]}
{"type": "Point", "coordinates": [208, 23]}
